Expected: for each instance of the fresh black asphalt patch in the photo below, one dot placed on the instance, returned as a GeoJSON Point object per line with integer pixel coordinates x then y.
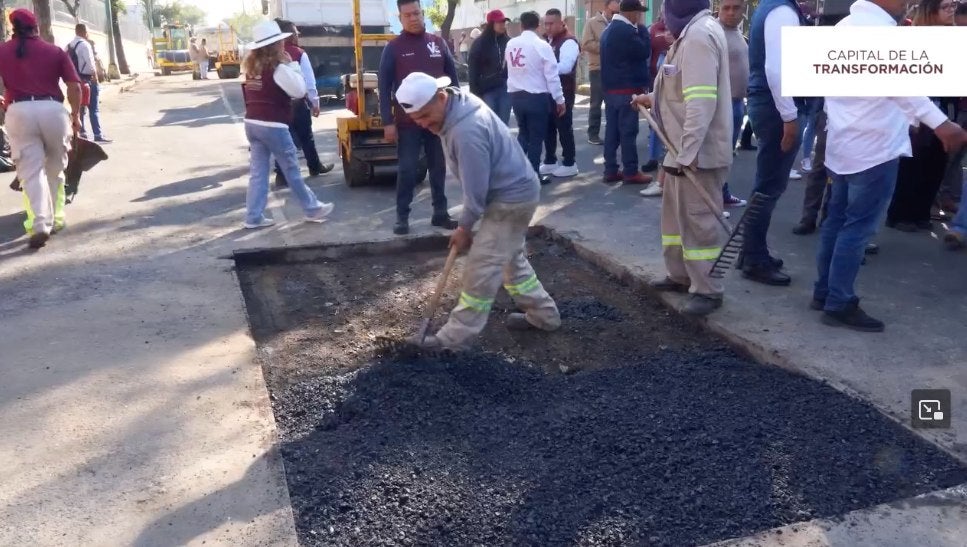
{"type": "Point", "coordinates": [662, 436]}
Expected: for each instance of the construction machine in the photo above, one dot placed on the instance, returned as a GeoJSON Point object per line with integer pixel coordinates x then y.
{"type": "Point", "coordinates": [367, 157]}
{"type": "Point", "coordinates": [170, 47]}
{"type": "Point", "coordinates": [223, 46]}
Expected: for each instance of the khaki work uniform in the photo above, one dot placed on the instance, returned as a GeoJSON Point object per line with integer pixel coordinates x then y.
{"type": "Point", "coordinates": [40, 134]}
{"type": "Point", "coordinates": [693, 105]}
{"type": "Point", "coordinates": [498, 254]}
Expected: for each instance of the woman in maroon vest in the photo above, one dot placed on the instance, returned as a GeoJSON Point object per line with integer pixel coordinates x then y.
{"type": "Point", "coordinates": [271, 83]}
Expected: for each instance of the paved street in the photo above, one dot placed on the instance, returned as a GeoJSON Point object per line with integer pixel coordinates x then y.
{"type": "Point", "coordinates": [131, 408]}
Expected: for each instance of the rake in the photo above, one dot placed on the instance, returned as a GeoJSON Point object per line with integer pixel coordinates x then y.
{"type": "Point", "coordinates": [732, 249]}
{"type": "Point", "coordinates": [412, 346]}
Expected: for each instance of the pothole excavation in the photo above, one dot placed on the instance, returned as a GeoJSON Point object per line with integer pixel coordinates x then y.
{"type": "Point", "coordinates": [660, 434]}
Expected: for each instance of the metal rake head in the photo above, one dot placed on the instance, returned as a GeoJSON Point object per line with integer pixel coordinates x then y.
{"type": "Point", "coordinates": [397, 348]}
{"type": "Point", "coordinates": [732, 249]}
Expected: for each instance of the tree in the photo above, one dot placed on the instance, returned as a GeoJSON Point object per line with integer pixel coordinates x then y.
{"type": "Point", "coordinates": [441, 14]}
{"type": "Point", "coordinates": [118, 6]}
{"type": "Point", "coordinates": [175, 12]}
{"type": "Point", "coordinates": [72, 7]}
{"type": "Point", "coordinates": [42, 11]}
{"type": "Point", "coordinates": [243, 23]}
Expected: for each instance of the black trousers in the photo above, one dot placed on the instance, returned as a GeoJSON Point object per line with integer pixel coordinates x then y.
{"type": "Point", "coordinates": [561, 127]}
{"type": "Point", "coordinates": [301, 131]}
{"type": "Point", "coordinates": [918, 179]}
{"type": "Point", "coordinates": [745, 141]}
{"type": "Point", "coordinates": [594, 108]}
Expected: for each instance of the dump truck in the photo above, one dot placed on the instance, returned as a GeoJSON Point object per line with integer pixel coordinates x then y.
{"type": "Point", "coordinates": [326, 34]}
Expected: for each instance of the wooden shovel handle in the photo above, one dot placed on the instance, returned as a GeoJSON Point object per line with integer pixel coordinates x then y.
{"type": "Point", "coordinates": [441, 284]}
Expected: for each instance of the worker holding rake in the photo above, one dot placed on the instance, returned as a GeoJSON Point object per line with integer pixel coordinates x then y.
{"type": "Point", "coordinates": [501, 190]}
{"type": "Point", "coordinates": [692, 108]}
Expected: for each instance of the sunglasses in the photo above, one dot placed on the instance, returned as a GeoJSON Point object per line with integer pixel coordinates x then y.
{"type": "Point", "coordinates": [948, 7]}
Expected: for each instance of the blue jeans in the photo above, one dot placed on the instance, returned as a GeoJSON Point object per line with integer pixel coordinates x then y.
{"type": "Point", "coordinates": [807, 129]}
{"type": "Point", "coordinates": [738, 114]}
{"type": "Point", "coordinates": [94, 109]}
{"type": "Point", "coordinates": [301, 130]}
{"type": "Point", "coordinates": [959, 223]}
{"type": "Point", "coordinates": [621, 129]}
{"type": "Point", "coordinates": [533, 111]}
{"type": "Point", "coordinates": [264, 143]}
{"type": "Point", "coordinates": [656, 150]}
{"type": "Point", "coordinates": [771, 176]}
{"type": "Point", "coordinates": [411, 141]}
{"type": "Point", "coordinates": [499, 101]}
{"type": "Point", "coordinates": [857, 204]}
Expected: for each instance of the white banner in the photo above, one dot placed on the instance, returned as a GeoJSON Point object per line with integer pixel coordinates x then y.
{"type": "Point", "coordinates": [874, 61]}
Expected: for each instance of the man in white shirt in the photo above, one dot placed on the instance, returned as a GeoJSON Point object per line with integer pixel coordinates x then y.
{"type": "Point", "coordinates": [775, 120]}
{"type": "Point", "coordinates": [865, 138]}
{"type": "Point", "coordinates": [534, 84]}
{"type": "Point", "coordinates": [304, 109]}
{"type": "Point", "coordinates": [82, 55]}
{"type": "Point", "coordinates": [566, 51]}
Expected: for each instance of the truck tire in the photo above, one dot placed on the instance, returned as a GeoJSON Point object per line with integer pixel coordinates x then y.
{"type": "Point", "coordinates": [228, 72]}
{"type": "Point", "coordinates": [165, 71]}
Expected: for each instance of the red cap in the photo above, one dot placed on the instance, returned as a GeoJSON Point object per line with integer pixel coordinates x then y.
{"type": "Point", "coordinates": [24, 17]}
{"type": "Point", "coordinates": [497, 16]}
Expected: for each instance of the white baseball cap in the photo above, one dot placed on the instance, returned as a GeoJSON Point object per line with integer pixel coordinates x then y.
{"type": "Point", "coordinates": [418, 89]}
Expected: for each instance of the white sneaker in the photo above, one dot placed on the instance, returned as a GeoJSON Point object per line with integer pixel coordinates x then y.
{"type": "Point", "coordinates": [652, 190]}
{"type": "Point", "coordinates": [566, 171]}
{"type": "Point", "coordinates": [794, 175]}
{"type": "Point", "coordinates": [264, 223]}
{"type": "Point", "coordinates": [321, 214]}
{"type": "Point", "coordinates": [548, 168]}
{"type": "Point", "coordinates": [807, 164]}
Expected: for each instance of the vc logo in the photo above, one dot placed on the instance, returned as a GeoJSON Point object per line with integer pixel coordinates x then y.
{"type": "Point", "coordinates": [516, 58]}
{"type": "Point", "coordinates": [434, 49]}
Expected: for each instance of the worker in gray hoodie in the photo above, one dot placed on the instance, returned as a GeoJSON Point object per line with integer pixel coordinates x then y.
{"type": "Point", "coordinates": [501, 190]}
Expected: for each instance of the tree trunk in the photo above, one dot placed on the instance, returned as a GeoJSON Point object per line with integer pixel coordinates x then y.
{"type": "Point", "coordinates": [118, 44]}
{"type": "Point", "coordinates": [448, 20]}
{"type": "Point", "coordinates": [42, 11]}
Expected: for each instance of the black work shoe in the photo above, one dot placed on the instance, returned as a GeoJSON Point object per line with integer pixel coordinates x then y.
{"type": "Point", "coordinates": [326, 167]}
{"type": "Point", "coordinates": [852, 317]}
{"type": "Point", "coordinates": [908, 227]}
{"type": "Point", "coordinates": [595, 140]}
{"type": "Point", "coordinates": [817, 304]}
{"type": "Point", "coordinates": [443, 221]}
{"type": "Point", "coordinates": [38, 240]}
{"type": "Point", "coordinates": [748, 147]}
{"type": "Point", "coordinates": [280, 181]}
{"type": "Point", "coordinates": [402, 227]}
{"type": "Point", "coordinates": [669, 285]}
{"type": "Point", "coordinates": [766, 276]}
{"type": "Point", "coordinates": [701, 304]}
{"type": "Point", "coordinates": [546, 179]}
{"type": "Point", "coordinates": [924, 225]}
{"type": "Point", "coordinates": [650, 166]}
{"type": "Point", "coordinates": [804, 228]}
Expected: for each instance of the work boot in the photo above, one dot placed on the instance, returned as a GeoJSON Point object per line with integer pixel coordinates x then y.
{"type": "Point", "coordinates": [701, 305]}
{"type": "Point", "coordinates": [852, 317]}
{"type": "Point", "coordinates": [518, 321]}
{"type": "Point", "coordinates": [323, 169]}
{"type": "Point", "coordinates": [402, 226]}
{"type": "Point", "coordinates": [669, 285]}
{"type": "Point", "coordinates": [767, 275]}
{"type": "Point", "coordinates": [444, 221]}
{"type": "Point", "coordinates": [649, 166]}
{"type": "Point", "coordinates": [817, 304]}
{"type": "Point", "coordinates": [38, 240]}
{"type": "Point", "coordinates": [804, 228]}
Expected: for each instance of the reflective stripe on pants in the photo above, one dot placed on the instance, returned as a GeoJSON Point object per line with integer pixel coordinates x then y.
{"type": "Point", "coordinates": [498, 255]}
{"type": "Point", "coordinates": [60, 200]}
{"type": "Point", "coordinates": [691, 237]}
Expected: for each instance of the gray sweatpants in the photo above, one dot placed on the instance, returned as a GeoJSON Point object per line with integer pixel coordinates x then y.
{"type": "Point", "coordinates": [498, 255]}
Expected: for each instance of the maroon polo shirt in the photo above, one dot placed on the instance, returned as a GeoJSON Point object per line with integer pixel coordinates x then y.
{"type": "Point", "coordinates": [38, 73]}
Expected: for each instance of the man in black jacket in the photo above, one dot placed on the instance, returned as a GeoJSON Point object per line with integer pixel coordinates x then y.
{"type": "Point", "coordinates": [488, 68]}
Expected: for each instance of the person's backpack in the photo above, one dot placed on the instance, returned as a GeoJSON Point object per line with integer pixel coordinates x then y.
{"type": "Point", "coordinates": [72, 53]}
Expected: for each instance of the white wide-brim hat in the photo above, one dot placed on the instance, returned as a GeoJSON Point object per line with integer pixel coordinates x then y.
{"type": "Point", "coordinates": [266, 32]}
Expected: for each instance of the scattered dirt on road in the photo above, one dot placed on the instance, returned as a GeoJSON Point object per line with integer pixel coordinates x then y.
{"type": "Point", "coordinates": [659, 434]}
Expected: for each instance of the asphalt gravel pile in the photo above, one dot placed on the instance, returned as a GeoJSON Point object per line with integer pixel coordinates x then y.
{"type": "Point", "coordinates": [658, 434]}
{"type": "Point", "coordinates": [675, 448]}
